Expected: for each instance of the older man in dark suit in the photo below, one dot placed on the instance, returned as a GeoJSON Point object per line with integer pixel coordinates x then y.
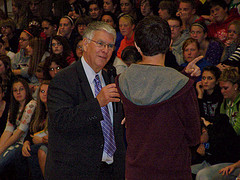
{"type": "Point", "coordinates": [85, 134]}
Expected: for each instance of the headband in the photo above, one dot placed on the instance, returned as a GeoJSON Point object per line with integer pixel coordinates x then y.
{"type": "Point", "coordinates": [69, 18]}
{"type": "Point", "coordinates": [28, 33]}
{"type": "Point", "coordinates": [201, 26]}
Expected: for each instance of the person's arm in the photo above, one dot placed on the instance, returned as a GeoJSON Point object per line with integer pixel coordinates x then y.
{"type": "Point", "coordinates": [11, 140]}
{"type": "Point", "coordinates": [227, 170]}
{"type": "Point", "coordinates": [5, 136]}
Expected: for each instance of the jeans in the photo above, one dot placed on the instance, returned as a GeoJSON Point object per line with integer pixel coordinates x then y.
{"type": "Point", "coordinates": [7, 158]}
{"type": "Point", "coordinates": [26, 164]}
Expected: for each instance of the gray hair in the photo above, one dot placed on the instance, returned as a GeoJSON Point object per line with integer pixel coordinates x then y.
{"type": "Point", "coordinates": [98, 26]}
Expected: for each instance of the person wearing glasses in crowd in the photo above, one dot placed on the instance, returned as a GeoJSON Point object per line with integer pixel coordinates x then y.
{"type": "Point", "coordinates": [85, 134]}
{"type": "Point", "coordinates": [178, 38]}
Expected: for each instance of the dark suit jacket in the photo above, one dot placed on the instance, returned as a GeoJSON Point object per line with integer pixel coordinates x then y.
{"type": "Point", "coordinates": [75, 135]}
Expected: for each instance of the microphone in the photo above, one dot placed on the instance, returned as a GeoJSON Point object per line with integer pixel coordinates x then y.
{"type": "Point", "coordinates": [112, 74]}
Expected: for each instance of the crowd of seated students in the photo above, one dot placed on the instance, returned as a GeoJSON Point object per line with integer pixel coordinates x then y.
{"type": "Point", "coordinates": [44, 37]}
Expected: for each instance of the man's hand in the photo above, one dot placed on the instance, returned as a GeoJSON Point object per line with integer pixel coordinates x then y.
{"type": "Point", "coordinates": [192, 68]}
{"type": "Point", "coordinates": [227, 170]}
{"type": "Point", "coordinates": [108, 94]}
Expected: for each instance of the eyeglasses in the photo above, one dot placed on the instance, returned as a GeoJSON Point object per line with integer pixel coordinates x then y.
{"type": "Point", "coordinates": [102, 45]}
{"type": "Point", "coordinates": [57, 68]}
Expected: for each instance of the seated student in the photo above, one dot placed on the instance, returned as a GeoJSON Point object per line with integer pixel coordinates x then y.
{"type": "Point", "coordinates": [111, 6]}
{"type": "Point", "coordinates": [10, 37]}
{"type": "Point", "coordinates": [233, 39]}
{"type": "Point", "coordinates": [6, 76]}
{"type": "Point", "coordinates": [3, 110]}
{"type": "Point", "coordinates": [187, 13]}
{"type": "Point", "coordinates": [36, 137]}
{"type": "Point", "coordinates": [95, 10]}
{"type": "Point", "coordinates": [128, 7]}
{"type": "Point", "coordinates": [36, 52]}
{"type": "Point", "coordinates": [21, 59]}
{"type": "Point", "coordinates": [66, 29]}
{"type": "Point", "coordinates": [190, 52]}
{"type": "Point", "coordinates": [3, 50]}
{"type": "Point", "coordinates": [210, 48]}
{"type": "Point", "coordinates": [53, 65]}
{"type": "Point", "coordinates": [146, 8]}
{"type": "Point", "coordinates": [167, 9]}
{"type": "Point", "coordinates": [129, 55]}
{"type": "Point", "coordinates": [177, 37]}
{"type": "Point", "coordinates": [49, 26]}
{"type": "Point", "coordinates": [78, 46]}
{"type": "Point", "coordinates": [20, 113]}
{"type": "Point", "coordinates": [111, 19]}
{"type": "Point", "coordinates": [229, 83]}
{"type": "Point", "coordinates": [81, 24]}
{"type": "Point", "coordinates": [208, 93]}
{"type": "Point", "coordinates": [221, 19]}
{"type": "Point", "coordinates": [126, 26]}
{"type": "Point", "coordinates": [61, 46]}
{"type": "Point", "coordinates": [221, 171]}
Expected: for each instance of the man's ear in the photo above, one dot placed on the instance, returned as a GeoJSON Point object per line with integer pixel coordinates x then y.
{"type": "Point", "coordinates": [85, 44]}
{"type": "Point", "coordinates": [138, 48]}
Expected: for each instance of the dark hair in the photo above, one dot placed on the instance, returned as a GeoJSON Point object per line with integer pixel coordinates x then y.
{"type": "Point", "coordinates": [83, 19]}
{"type": "Point", "coordinates": [33, 31]}
{"type": "Point", "coordinates": [176, 18]}
{"type": "Point", "coordinates": [153, 36]}
{"type": "Point", "coordinates": [221, 3]}
{"type": "Point", "coordinates": [192, 2]}
{"type": "Point", "coordinates": [14, 104]}
{"type": "Point", "coordinates": [7, 64]}
{"type": "Point", "coordinates": [64, 42]}
{"type": "Point", "coordinates": [170, 6]}
{"type": "Point", "coordinates": [200, 24]}
{"type": "Point", "coordinates": [58, 59]}
{"type": "Point", "coordinates": [115, 20]}
{"type": "Point", "coordinates": [79, 38]}
{"type": "Point", "coordinates": [214, 70]}
{"type": "Point", "coordinates": [52, 21]}
{"type": "Point", "coordinates": [130, 55]}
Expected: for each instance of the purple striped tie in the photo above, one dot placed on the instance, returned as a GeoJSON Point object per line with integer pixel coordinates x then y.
{"type": "Point", "coordinates": [107, 128]}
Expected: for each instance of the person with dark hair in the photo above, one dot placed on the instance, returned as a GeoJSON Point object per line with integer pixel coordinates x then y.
{"type": "Point", "coordinates": [66, 29]}
{"type": "Point", "coordinates": [82, 118]}
{"type": "Point", "coordinates": [209, 93]}
{"type": "Point", "coordinates": [6, 76]}
{"type": "Point", "coordinates": [49, 26]}
{"type": "Point", "coordinates": [61, 46]}
{"type": "Point", "coordinates": [221, 19]}
{"type": "Point", "coordinates": [128, 7]}
{"type": "Point", "coordinates": [20, 113]}
{"type": "Point", "coordinates": [20, 13]}
{"type": "Point", "coordinates": [4, 51]}
{"type": "Point", "coordinates": [210, 48]}
{"type": "Point", "coordinates": [175, 24]}
{"type": "Point", "coordinates": [21, 59]}
{"type": "Point", "coordinates": [158, 135]}
{"type": "Point", "coordinates": [95, 10]}
{"type": "Point", "coordinates": [187, 13]}
{"type": "Point", "coordinates": [112, 20]}
{"type": "Point", "coordinates": [9, 35]}
{"type": "Point", "coordinates": [81, 24]}
{"type": "Point", "coordinates": [53, 64]}
{"type": "Point", "coordinates": [111, 6]}
{"type": "Point", "coordinates": [146, 8]}
{"type": "Point", "coordinates": [167, 9]}
{"type": "Point", "coordinates": [4, 106]}
{"type": "Point", "coordinates": [78, 46]}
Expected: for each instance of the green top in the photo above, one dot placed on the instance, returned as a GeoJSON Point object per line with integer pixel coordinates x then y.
{"type": "Point", "coordinates": [232, 111]}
